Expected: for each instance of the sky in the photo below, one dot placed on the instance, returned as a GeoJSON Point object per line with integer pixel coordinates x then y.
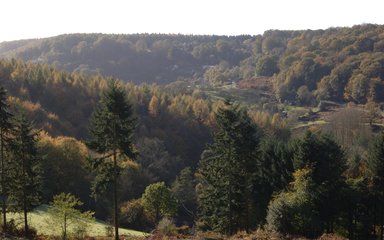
{"type": "Point", "coordinates": [22, 19]}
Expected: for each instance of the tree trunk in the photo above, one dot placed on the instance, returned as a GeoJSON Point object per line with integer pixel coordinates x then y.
{"type": "Point", "coordinates": [381, 224]}
{"type": "Point", "coordinates": [24, 196]}
{"type": "Point", "coordinates": [157, 215]}
{"type": "Point", "coordinates": [65, 227]}
{"type": "Point", "coordinates": [25, 201]}
{"type": "Point", "coordinates": [4, 206]}
{"type": "Point", "coordinates": [375, 218]}
{"type": "Point", "coordinates": [25, 214]}
{"type": "Point", "coordinates": [116, 218]}
{"type": "Point", "coordinates": [247, 216]}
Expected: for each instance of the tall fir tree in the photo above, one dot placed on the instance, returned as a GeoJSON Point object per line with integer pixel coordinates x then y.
{"type": "Point", "coordinates": [112, 127]}
{"type": "Point", "coordinates": [274, 173]}
{"type": "Point", "coordinates": [226, 172]}
{"type": "Point", "coordinates": [326, 159]}
{"type": "Point", "coordinates": [375, 167]}
{"type": "Point", "coordinates": [5, 128]}
{"type": "Point", "coordinates": [25, 190]}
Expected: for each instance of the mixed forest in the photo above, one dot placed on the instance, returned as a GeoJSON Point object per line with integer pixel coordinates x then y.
{"type": "Point", "coordinates": [270, 136]}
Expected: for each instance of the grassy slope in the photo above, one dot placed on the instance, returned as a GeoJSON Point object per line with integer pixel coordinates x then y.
{"type": "Point", "coordinates": [41, 220]}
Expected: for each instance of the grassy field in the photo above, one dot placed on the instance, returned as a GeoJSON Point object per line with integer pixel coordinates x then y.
{"type": "Point", "coordinates": [44, 225]}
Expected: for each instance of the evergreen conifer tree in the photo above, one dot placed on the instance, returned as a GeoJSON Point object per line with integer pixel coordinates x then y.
{"type": "Point", "coordinates": [375, 167]}
{"type": "Point", "coordinates": [5, 127]}
{"type": "Point", "coordinates": [112, 126]}
{"type": "Point", "coordinates": [326, 160]}
{"type": "Point", "coordinates": [25, 189]}
{"type": "Point", "coordinates": [274, 173]}
{"type": "Point", "coordinates": [226, 172]}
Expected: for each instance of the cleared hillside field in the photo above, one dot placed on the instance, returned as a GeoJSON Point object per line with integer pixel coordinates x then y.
{"type": "Point", "coordinates": [41, 220]}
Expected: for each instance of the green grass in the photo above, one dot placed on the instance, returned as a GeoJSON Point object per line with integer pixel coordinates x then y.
{"type": "Point", "coordinates": [43, 223]}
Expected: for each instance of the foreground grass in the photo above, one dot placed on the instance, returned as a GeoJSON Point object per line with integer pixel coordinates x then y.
{"type": "Point", "coordinates": [42, 222]}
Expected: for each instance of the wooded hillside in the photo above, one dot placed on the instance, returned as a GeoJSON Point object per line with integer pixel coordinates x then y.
{"type": "Point", "coordinates": [221, 135]}
{"type": "Point", "coordinates": [341, 64]}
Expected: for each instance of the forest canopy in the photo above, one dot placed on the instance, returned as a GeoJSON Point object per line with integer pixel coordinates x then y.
{"type": "Point", "coordinates": [340, 64]}
{"type": "Point", "coordinates": [280, 132]}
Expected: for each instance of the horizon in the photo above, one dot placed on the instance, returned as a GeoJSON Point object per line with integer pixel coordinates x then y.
{"type": "Point", "coordinates": [185, 34]}
{"type": "Point", "coordinates": [42, 19]}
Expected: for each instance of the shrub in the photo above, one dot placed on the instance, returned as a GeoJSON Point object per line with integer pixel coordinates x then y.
{"type": "Point", "coordinates": [294, 212]}
{"type": "Point", "coordinates": [134, 216]}
{"type": "Point", "coordinates": [14, 231]}
{"type": "Point", "coordinates": [166, 227]}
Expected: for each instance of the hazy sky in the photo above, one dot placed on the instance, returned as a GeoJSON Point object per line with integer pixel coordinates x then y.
{"type": "Point", "coordinates": [21, 19]}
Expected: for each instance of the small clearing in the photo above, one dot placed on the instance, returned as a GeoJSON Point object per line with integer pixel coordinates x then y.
{"type": "Point", "coordinates": [42, 222]}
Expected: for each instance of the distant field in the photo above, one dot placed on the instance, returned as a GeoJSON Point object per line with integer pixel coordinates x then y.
{"type": "Point", "coordinates": [310, 123]}
{"type": "Point", "coordinates": [248, 97]}
{"type": "Point", "coordinates": [40, 220]}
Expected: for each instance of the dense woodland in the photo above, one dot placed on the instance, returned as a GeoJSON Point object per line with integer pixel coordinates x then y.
{"type": "Point", "coordinates": [186, 157]}
{"type": "Point", "coordinates": [341, 64]}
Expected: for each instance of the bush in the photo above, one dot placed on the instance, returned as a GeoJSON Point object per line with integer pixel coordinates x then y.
{"type": "Point", "coordinates": [294, 212]}
{"type": "Point", "coordinates": [12, 230]}
{"type": "Point", "coordinates": [11, 227]}
{"type": "Point", "coordinates": [279, 215]}
{"type": "Point", "coordinates": [134, 216]}
{"type": "Point", "coordinates": [166, 227]}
